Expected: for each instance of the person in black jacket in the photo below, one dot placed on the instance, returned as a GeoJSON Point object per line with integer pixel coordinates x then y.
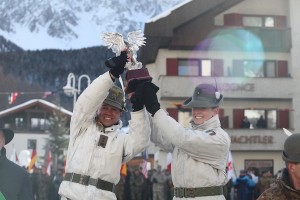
{"type": "Point", "coordinates": [14, 180]}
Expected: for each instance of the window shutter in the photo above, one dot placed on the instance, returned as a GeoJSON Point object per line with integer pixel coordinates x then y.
{"type": "Point", "coordinates": [238, 68]}
{"type": "Point", "coordinates": [280, 22]}
{"type": "Point", "coordinates": [282, 68]}
{"type": "Point", "coordinates": [173, 112]}
{"type": "Point", "coordinates": [233, 19]}
{"type": "Point", "coordinates": [238, 116]}
{"type": "Point", "coordinates": [283, 119]}
{"type": "Point", "coordinates": [218, 67]}
{"type": "Point", "coordinates": [172, 67]}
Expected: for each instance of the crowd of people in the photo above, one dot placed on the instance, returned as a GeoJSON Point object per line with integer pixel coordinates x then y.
{"type": "Point", "coordinates": [45, 187]}
{"type": "Point", "coordinates": [250, 184]}
{"type": "Point", "coordinates": [157, 185]}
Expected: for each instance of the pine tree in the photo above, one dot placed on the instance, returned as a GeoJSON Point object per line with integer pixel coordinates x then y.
{"type": "Point", "coordinates": [59, 136]}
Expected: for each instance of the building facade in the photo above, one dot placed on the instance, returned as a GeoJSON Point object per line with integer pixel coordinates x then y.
{"type": "Point", "coordinates": [30, 121]}
{"type": "Point", "coordinates": [249, 49]}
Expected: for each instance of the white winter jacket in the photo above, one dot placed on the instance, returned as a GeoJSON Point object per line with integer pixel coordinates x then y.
{"type": "Point", "coordinates": [199, 152]}
{"type": "Point", "coordinates": [86, 157]}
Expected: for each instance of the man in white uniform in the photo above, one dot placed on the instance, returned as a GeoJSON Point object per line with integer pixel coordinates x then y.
{"type": "Point", "coordinates": [97, 146]}
{"type": "Point", "coordinates": [199, 152]}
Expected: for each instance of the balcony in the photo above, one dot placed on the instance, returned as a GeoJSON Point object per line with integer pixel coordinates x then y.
{"type": "Point", "coordinates": [181, 87]}
{"type": "Point", "coordinates": [249, 39]}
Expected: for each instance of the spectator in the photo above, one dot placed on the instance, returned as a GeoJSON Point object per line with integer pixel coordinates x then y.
{"type": "Point", "coordinates": [245, 123]}
{"type": "Point", "coordinates": [287, 186]}
{"type": "Point", "coordinates": [244, 186]}
{"type": "Point", "coordinates": [14, 180]}
{"type": "Point", "coordinates": [261, 122]}
{"type": "Point", "coordinates": [265, 181]}
{"type": "Point", "coordinates": [159, 181]}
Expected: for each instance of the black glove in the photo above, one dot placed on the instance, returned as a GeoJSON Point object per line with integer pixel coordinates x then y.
{"type": "Point", "coordinates": [150, 97]}
{"type": "Point", "coordinates": [136, 98]}
{"type": "Point", "coordinates": [117, 64]}
{"type": "Point", "coordinates": [133, 84]}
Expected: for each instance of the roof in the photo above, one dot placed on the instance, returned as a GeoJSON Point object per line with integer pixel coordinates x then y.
{"type": "Point", "coordinates": [31, 103]}
{"type": "Point", "coordinates": [182, 27]}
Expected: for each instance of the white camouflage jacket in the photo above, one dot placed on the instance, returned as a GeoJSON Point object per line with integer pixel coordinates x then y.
{"type": "Point", "coordinates": [86, 157]}
{"type": "Point", "coordinates": [199, 152]}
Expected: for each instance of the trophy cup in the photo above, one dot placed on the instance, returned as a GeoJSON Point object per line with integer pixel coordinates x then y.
{"type": "Point", "coordinates": [135, 72]}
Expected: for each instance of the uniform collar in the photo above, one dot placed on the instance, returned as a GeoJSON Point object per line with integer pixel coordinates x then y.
{"type": "Point", "coordinates": [212, 123]}
{"type": "Point", "coordinates": [110, 128]}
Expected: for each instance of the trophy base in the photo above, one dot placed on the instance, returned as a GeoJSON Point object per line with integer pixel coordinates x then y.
{"type": "Point", "coordinates": [139, 75]}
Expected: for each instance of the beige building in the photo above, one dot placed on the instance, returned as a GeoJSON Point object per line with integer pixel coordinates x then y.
{"type": "Point", "coordinates": [30, 121]}
{"type": "Point", "coordinates": [249, 49]}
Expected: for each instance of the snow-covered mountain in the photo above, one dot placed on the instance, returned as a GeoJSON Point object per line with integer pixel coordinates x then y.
{"type": "Point", "coordinates": [73, 24]}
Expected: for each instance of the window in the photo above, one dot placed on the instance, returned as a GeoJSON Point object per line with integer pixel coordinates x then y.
{"type": "Point", "coordinates": [31, 144]}
{"type": "Point", "coordinates": [260, 166]}
{"type": "Point", "coordinates": [261, 118]}
{"type": "Point", "coordinates": [259, 21]}
{"type": "Point", "coordinates": [188, 68]}
{"type": "Point", "coordinates": [269, 22]}
{"type": "Point", "coordinates": [252, 21]}
{"type": "Point", "coordinates": [206, 67]}
{"type": "Point", "coordinates": [270, 67]}
{"type": "Point", "coordinates": [19, 123]}
{"type": "Point", "coordinates": [39, 124]}
{"type": "Point", "coordinates": [253, 68]}
{"type": "Point", "coordinates": [260, 68]}
{"type": "Point", "coordinates": [195, 67]}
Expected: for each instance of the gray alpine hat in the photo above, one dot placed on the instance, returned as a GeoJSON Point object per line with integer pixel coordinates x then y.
{"type": "Point", "coordinates": [116, 98]}
{"type": "Point", "coordinates": [205, 96]}
{"type": "Point", "coordinates": [291, 150]}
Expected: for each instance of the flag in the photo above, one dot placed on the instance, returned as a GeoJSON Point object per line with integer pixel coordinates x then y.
{"type": "Point", "coordinates": [123, 169]}
{"type": "Point", "coordinates": [48, 161]}
{"type": "Point", "coordinates": [144, 163]}
{"type": "Point", "coordinates": [14, 157]}
{"type": "Point", "coordinates": [230, 168]}
{"type": "Point", "coordinates": [33, 160]}
{"type": "Point", "coordinates": [169, 161]}
{"type": "Point", "coordinates": [46, 94]}
{"type": "Point", "coordinates": [12, 97]}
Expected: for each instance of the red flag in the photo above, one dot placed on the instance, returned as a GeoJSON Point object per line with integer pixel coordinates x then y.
{"type": "Point", "coordinates": [46, 94]}
{"type": "Point", "coordinates": [48, 162]}
{"type": "Point", "coordinates": [123, 169]}
{"type": "Point", "coordinates": [230, 168]}
{"type": "Point", "coordinates": [12, 97]}
{"type": "Point", "coordinates": [33, 160]}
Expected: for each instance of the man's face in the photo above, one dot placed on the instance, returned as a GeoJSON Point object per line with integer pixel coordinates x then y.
{"type": "Point", "coordinates": [294, 170]}
{"type": "Point", "coordinates": [200, 115]}
{"type": "Point", "coordinates": [109, 115]}
{"type": "Point", "coordinates": [2, 139]}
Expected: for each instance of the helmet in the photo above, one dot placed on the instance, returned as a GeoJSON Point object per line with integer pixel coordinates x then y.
{"type": "Point", "coordinates": [116, 98]}
{"type": "Point", "coordinates": [291, 150]}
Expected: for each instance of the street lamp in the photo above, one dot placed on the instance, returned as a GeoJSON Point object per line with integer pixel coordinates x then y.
{"type": "Point", "coordinates": [70, 89]}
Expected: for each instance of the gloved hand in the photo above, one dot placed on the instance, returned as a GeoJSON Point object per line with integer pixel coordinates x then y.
{"type": "Point", "coordinates": [150, 97]}
{"type": "Point", "coordinates": [117, 64]}
{"type": "Point", "coordinates": [136, 98]}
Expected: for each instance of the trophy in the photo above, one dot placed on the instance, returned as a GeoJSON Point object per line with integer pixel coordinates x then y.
{"type": "Point", "coordinates": [135, 72]}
